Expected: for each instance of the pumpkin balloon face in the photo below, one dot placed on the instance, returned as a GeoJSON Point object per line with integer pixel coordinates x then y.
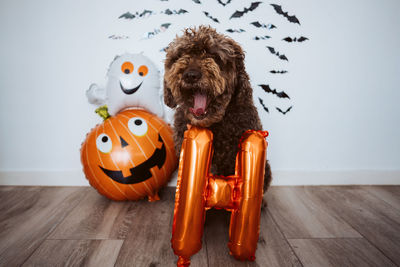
{"type": "Point", "coordinates": [129, 156]}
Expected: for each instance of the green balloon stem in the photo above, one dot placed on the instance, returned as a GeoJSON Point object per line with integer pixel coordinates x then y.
{"type": "Point", "coordinates": [103, 112]}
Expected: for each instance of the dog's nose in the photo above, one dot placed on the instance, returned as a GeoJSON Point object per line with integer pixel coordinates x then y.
{"type": "Point", "coordinates": [191, 75]}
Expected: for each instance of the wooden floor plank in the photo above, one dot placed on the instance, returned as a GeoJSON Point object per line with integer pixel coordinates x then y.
{"type": "Point", "coordinates": [57, 226]}
{"type": "Point", "coordinates": [149, 241]}
{"type": "Point", "coordinates": [272, 247]}
{"type": "Point", "coordinates": [299, 216]}
{"type": "Point", "coordinates": [389, 194]}
{"type": "Point", "coordinates": [31, 215]}
{"type": "Point", "coordinates": [7, 191]}
{"type": "Point", "coordinates": [76, 253]}
{"type": "Point", "coordinates": [15, 199]}
{"type": "Point", "coordinates": [100, 218]}
{"type": "Point", "coordinates": [216, 237]}
{"type": "Point", "coordinates": [96, 218]}
{"type": "Point", "coordinates": [373, 218]}
{"type": "Point", "coordinates": [338, 252]}
{"type": "Point", "coordinates": [150, 245]}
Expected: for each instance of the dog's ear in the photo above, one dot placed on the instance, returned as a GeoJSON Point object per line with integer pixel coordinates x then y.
{"type": "Point", "coordinates": [243, 91]}
{"type": "Point", "coordinates": [168, 97]}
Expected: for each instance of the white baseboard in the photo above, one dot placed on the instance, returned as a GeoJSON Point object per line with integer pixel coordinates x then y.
{"type": "Point", "coordinates": [77, 178]}
{"type": "Point", "coordinates": [347, 177]}
{"type": "Point", "coordinates": [47, 178]}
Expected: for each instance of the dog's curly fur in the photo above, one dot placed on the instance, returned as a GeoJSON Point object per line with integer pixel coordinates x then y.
{"type": "Point", "coordinates": [230, 108]}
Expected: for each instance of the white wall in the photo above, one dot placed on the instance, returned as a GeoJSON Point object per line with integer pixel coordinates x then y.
{"type": "Point", "coordinates": [343, 83]}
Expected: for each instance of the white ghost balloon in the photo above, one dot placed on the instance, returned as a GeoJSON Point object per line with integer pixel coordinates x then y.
{"type": "Point", "coordinates": [132, 81]}
{"type": "Point", "coordinates": [96, 95]}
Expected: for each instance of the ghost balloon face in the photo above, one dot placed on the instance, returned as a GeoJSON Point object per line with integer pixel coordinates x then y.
{"type": "Point", "coordinates": [133, 81]}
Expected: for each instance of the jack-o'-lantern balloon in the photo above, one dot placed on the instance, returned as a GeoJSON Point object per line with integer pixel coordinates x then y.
{"type": "Point", "coordinates": [129, 156]}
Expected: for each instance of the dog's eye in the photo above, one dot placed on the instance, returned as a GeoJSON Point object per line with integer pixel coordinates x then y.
{"type": "Point", "coordinates": [127, 67]}
{"type": "Point", "coordinates": [218, 60]}
{"type": "Point", "coordinates": [143, 70]}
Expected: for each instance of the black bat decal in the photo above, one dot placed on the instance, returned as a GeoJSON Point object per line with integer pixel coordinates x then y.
{"type": "Point", "coordinates": [262, 104]}
{"type": "Point", "coordinates": [257, 24]}
{"type": "Point", "coordinates": [224, 4]}
{"type": "Point", "coordinates": [278, 71]}
{"type": "Point", "coordinates": [209, 16]}
{"type": "Point", "coordinates": [261, 25]}
{"type": "Point", "coordinates": [284, 112]}
{"type": "Point", "coordinates": [118, 37]}
{"type": "Point", "coordinates": [174, 12]}
{"type": "Point", "coordinates": [182, 11]}
{"type": "Point", "coordinates": [127, 15]}
{"type": "Point", "coordinates": [145, 12]}
{"type": "Point", "coordinates": [265, 37]}
{"type": "Point", "coordinates": [268, 89]}
{"type": "Point", "coordinates": [165, 26]}
{"type": "Point", "coordinates": [239, 14]}
{"type": "Point", "coordinates": [295, 39]}
{"type": "Point", "coordinates": [168, 12]}
{"type": "Point", "coordinates": [272, 50]}
{"type": "Point", "coordinates": [301, 39]}
{"type": "Point", "coordinates": [279, 10]}
{"type": "Point", "coordinates": [197, 1]}
{"type": "Point", "coordinates": [234, 30]}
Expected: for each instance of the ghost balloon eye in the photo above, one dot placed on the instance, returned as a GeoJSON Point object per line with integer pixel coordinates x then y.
{"type": "Point", "coordinates": [127, 67]}
{"type": "Point", "coordinates": [143, 70]}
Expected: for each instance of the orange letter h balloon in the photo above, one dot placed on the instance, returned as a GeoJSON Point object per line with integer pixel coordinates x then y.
{"type": "Point", "coordinates": [198, 190]}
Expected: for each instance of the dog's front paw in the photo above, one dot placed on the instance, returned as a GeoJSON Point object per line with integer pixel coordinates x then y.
{"type": "Point", "coordinates": [264, 204]}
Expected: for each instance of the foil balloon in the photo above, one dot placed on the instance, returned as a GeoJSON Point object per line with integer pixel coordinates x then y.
{"type": "Point", "coordinates": [129, 156]}
{"type": "Point", "coordinates": [133, 80]}
{"type": "Point", "coordinates": [198, 190]}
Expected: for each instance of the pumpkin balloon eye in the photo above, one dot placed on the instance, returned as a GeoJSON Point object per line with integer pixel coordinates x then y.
{"type": "Point", "coordinates": [127, 67]}
{"type": "Point", "coordinates": [103, 143]}
{"type": "Point", "coordinates": [143, 70]}
{"type": "Point", "coordinates": [137, 126]}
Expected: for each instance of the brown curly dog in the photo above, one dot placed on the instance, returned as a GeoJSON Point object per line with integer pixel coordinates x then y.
{"type": "Point", "coordinates": [206, 82]}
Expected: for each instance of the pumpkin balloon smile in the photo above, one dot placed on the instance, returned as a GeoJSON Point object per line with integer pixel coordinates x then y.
{"type": "Point", "coordinates": [129, 91]}
{"type": "Point", "coordinates": [141, 172]}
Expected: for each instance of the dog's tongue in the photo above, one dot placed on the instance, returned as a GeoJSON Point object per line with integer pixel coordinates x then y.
{"type": "Point", "coordinates": [200, 103]}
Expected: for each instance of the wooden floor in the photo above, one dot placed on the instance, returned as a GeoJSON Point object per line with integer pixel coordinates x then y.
{"type": "Point", "coordinates": [302, 226]}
